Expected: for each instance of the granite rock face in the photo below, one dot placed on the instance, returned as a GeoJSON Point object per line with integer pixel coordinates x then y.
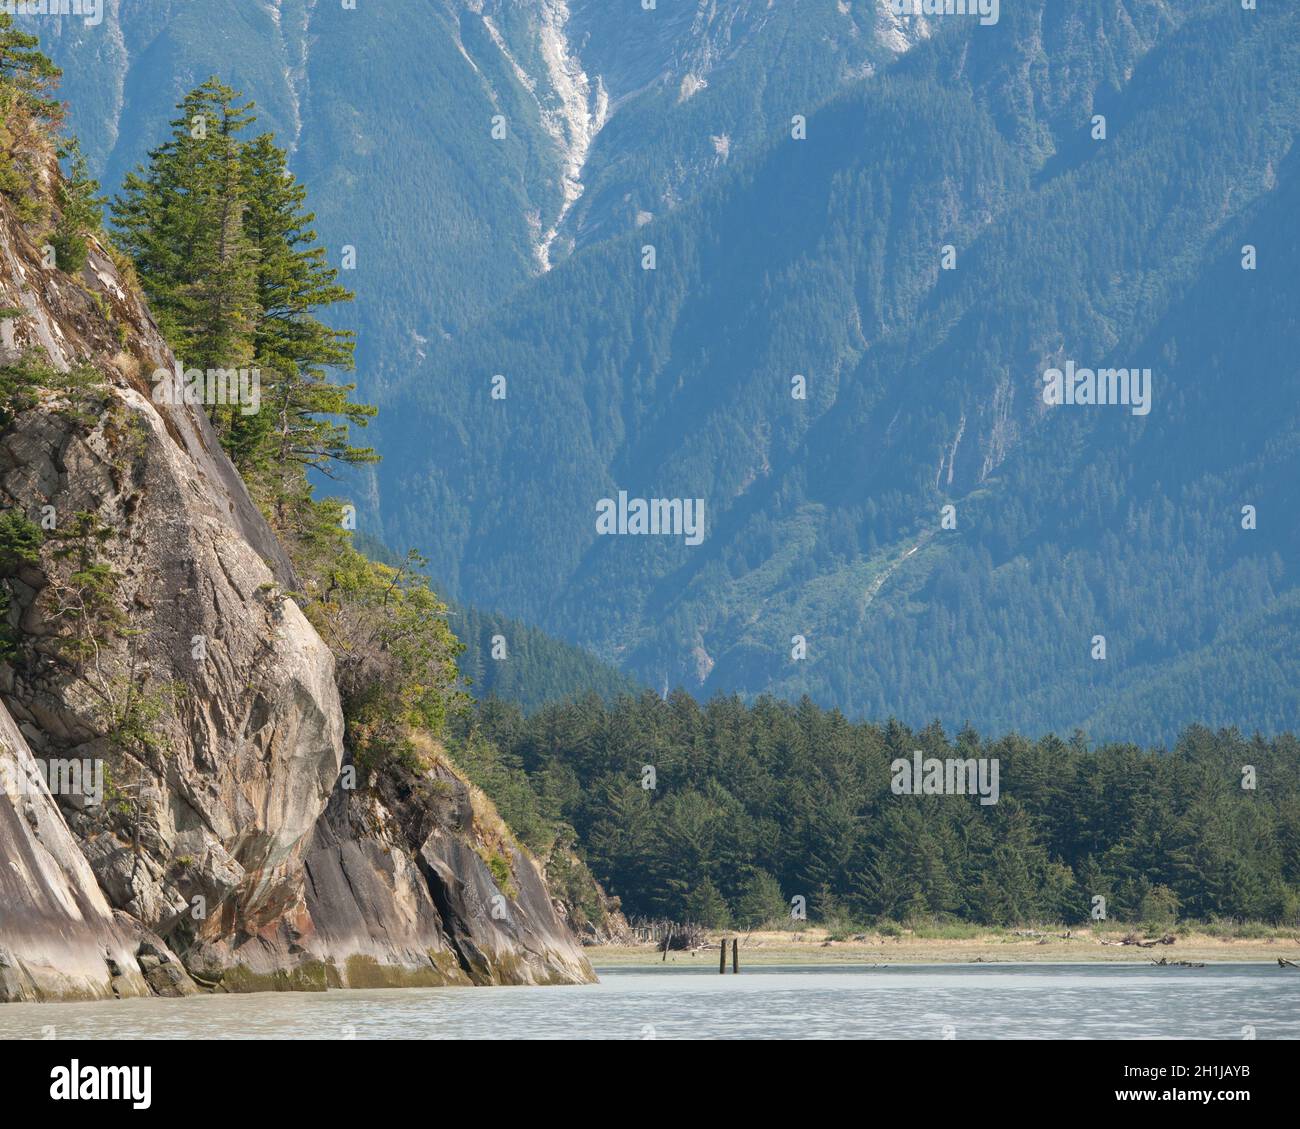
{"type": "Point", "coordinates": [58, 936]}
{"type": "Point", "coordinates": [218, 832]}
{"type": "Point", "coordinates": [459, 901]}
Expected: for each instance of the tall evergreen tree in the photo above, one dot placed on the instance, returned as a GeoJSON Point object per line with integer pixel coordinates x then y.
{"type": "Point", "coordinates": [29, 74]}
{"type": "Point", "coordinates": [299, 426]}
{"type": "Point", "coordinates": [220, 233]}
{"type": "Point", "coordinates": [80, 210]}
{"type": "Point", "coordinates": [28, 111]}
{"type": "Point", "coordinates": [181, 217]}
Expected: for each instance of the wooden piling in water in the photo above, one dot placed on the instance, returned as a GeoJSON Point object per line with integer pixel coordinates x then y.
{"type": "Point", "coordinates": [735, 954]}
{"type": "Point", "coordinates": [722, 956]}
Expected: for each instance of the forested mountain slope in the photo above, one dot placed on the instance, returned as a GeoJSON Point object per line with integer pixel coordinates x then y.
{"type": "Point", "coordinates": [606, 112]}
{"type": "Point", "coordinates": [820, 258]}
{"type": "Point", "coordinates": [823, 258]}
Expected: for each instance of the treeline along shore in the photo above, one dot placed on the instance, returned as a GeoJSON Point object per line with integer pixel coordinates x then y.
{"type": "Point", "coordinates": [733, 815]}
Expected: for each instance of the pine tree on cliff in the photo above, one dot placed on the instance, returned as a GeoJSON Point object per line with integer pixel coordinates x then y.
{"type": "Point", "coordinates": [305, 417]}
{"type": "Point", "coordinates": [230, 262]}
{"type": "Point", "coordinates": [80, 210]}
{"type": "Point", "coordinates": [227, 256]}
{"type": "Point", "coordinates": [29, 113]}
{"type": "Point", "coordinates": [29, 74]}
{"type": "Point", "coordinates": [182, 218]}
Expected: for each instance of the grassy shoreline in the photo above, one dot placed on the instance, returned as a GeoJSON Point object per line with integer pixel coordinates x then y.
{"type": "Point", "coordinates": [1080, 945]}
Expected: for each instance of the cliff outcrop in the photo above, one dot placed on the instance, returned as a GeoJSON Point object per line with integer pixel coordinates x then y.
{"type": "Point", "coordinates": [185, 818]}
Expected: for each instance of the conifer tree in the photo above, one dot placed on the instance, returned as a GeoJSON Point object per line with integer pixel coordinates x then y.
{"type": "Point", "coordinates": [80, 210]}
{"type": "Point", "coordinates": [305, 417]}
{"type": "Point", "coordinates": [181, 218]}
{"type": "Point", "coordinates": [220, 233]}
{"type": "Point", "coordinates": [28, 112]}
{"type": "Point", "coordinates": [29, 74]}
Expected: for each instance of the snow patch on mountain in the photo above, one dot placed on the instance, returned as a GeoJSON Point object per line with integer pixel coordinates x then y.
{"type": "Point", "coordinates": [582, 111]}
{"type": "Point", "coordinates": [572, 107]}
{"type": "Point", "coordinates": [294, 47]}
{"type": "Point", "coordinates": [577, 70]}
{"type": "Point", "coordinates": [899, 33]}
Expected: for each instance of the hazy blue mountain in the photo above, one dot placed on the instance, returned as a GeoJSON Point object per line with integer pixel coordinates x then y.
{"type": "Point", "coordinates": [823, 258]}
{"type": "Point", "coordinates": [389, 109]}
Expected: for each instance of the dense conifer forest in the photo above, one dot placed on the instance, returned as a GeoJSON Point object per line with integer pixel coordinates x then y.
{"type": "Point", "coordinates": [747, 807]}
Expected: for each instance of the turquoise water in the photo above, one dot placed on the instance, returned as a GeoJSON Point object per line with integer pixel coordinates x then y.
{"type": "Point", "coordinates": [1003, 1001]}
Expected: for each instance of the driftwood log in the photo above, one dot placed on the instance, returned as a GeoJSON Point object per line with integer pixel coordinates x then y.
{"type": "Point", "coordinates": [1134, 939]}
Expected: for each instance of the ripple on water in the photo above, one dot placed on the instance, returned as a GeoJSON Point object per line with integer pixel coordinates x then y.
{"type": "Point", "coordinates": [912, 1001]}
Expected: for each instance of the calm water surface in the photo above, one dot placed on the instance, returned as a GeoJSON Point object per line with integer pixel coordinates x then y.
{"type": "Point", "coordinates": [1004, 1001]}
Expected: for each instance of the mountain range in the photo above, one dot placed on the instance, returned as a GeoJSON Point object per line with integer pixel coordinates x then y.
{"type": "Point", "coordinates": [809, 263]}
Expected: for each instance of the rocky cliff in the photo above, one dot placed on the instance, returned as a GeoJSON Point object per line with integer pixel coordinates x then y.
{"type": "Point", "coordinates": [176, 811]}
